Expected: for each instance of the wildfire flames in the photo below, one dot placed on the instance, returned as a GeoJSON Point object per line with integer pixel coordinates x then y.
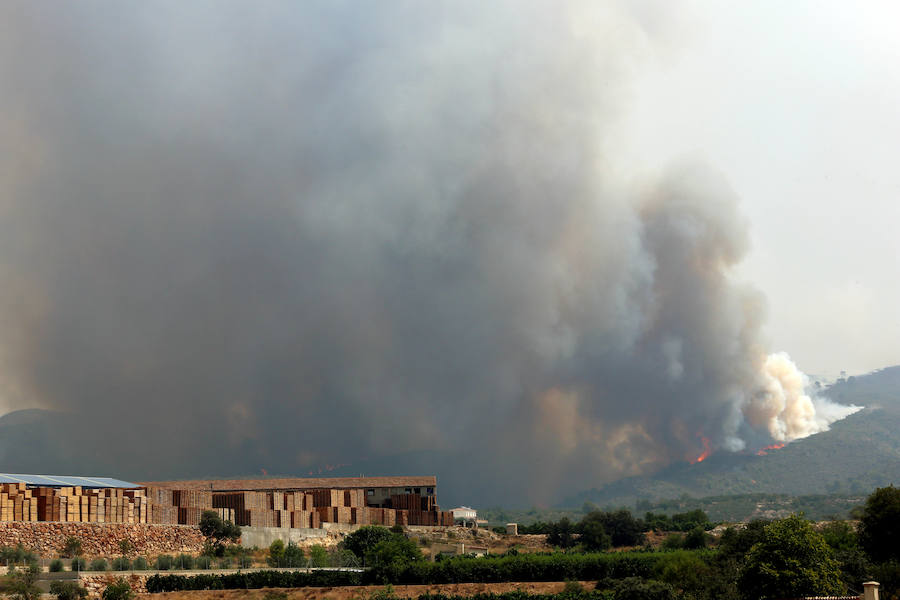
{"type": "Point", "coordinates": [706, 450]}
{"type": "Point", "coordinates": [763, 451]}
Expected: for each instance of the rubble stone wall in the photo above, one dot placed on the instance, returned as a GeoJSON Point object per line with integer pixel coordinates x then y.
{"type": "Point", "coordinates": [47, 538]}
{"type": "Point", "coordinates": [95, 584]}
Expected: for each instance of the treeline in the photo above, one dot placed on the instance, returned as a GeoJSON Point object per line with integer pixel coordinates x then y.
{"type": "Point", "coordinates": [496, 569]}
{"type": "Point", "coordinates": [600, 530]}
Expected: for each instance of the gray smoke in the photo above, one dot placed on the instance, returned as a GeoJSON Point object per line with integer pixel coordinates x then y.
{"type": "Point", "coordinates": [300, 234]}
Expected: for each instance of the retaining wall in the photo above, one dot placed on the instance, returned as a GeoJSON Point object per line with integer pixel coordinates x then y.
{"type": "Point", "coordinates": [47, 538]}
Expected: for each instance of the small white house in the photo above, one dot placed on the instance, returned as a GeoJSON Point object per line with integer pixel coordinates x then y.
{"type": "Point", "coordinates": [464, 513]}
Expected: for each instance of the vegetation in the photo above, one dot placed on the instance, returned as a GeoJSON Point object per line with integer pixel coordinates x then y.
{"type": "Point", "coordinates": [140, 564]}
{"type": "Point", "coordinates": [121, 564]}
{"type": "Point", "coordinates": [72, 548]}
{"type": "Point", "coordinates": [99, 564]}
{"type": "Point", "coordinates": [363, 540]}
{"type": "Point", "coordinates": [218, 531]}
{"type": "Point", "coordinates": [56, 565]}
{"type": "Point", "coordinates": [67, 590]}
{"type": "Point", "coordinates": [118, 590]}
{"type": "Point", "coordinates": [78, 564]}
{"type": "Point", "coordinates": [20, 584]}
{"type": "Point", "coordinates": [790, 561]}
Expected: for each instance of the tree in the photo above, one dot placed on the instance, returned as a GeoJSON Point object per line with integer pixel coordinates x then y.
{"type": "Point", "coordinates": [118, 590]}
{"type": "Point", "coordinates": [212, 526]}
{"type": "Point", "coordinates": [276, 554]}
{"type": "Point", "coordinates": [792, 560]}
{"type": "Point", "coordinates": [622, 528]}
{"type": "Point", "coordinates": [318, 556]}
{"type": "Point", "coordinates": [72, 547]}
{"type": "Point", "coordinates": [364, 539]}
{"type": "Point", "coordinates": [561, 534]}
{"type": "Point", "coordinates": [67, 590]}
{"type": "Point", "coordinates": [20, 584]}
{"type": "Point", "coordinates": [880, 525]}
{"type": "Point", "coordinates": [594, 536]}
{"type": "Point", "coordinates": [396, 550]}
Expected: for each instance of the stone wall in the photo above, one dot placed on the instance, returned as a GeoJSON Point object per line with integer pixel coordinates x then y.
{"type": "Point", "coordinates": [46, 538]}
{"type": "Point", "coordinates": [95, 584]}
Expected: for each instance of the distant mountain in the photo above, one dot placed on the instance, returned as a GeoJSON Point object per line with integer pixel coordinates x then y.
{"type": "Point", "coordinates": [859, 453]}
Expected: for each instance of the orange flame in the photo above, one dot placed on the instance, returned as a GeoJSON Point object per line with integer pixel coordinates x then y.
{"type": "Point", "coordinates": [762, 451]}
{"type": "Point", "coordinates": [706, 450]}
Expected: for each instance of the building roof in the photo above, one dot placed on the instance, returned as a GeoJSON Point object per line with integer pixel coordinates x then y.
{"type": "Point", "coordinates": [296, 483]}
{"type": "Point", "coordinates": [65, 481]}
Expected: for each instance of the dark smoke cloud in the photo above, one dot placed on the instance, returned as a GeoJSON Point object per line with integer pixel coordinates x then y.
{"type": "Point", "coordinates": [291, 235]}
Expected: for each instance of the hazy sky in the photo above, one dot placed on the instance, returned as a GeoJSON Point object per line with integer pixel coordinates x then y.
{"type": "Point", "coordinates": [796, 102]}
{"type": "Point", "coordinates": [559, 241]}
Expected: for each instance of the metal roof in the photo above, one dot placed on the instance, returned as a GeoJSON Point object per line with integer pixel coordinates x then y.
{"type": "Point", "coordinates": [292, 483]}
{"type": "Point", "coordinates": [65, 481]}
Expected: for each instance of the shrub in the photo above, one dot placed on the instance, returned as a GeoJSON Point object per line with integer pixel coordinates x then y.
{"type": "Point", "coordinates": [118, 590]}
{"type": "Point", "coordinates": [293, 555]}
{"type": "Point", "coordinates": [140, 564]}
{"type": "Point", "coordinates": [184, 562]}
{"type": "Point", "coordinates": [67, 590]}
{"type": "Point", "coordinates": [276, 554]}
{"type": "Point", "coordinates": [19, 585]}
{"type": "Point", "coordinates": [121, 564]}
{"type": "Point", "coordinates": [72, 547]}
{"type": "Point", "coordinates": [163, 562]}
{"type": "Point", "coordinates": [78, 564]}
{"type": "Point", "coordinates": [203, 562]}
{"type": "Point", "coordinates": [225, 563]}
{"type": "Point", "coordinates": [99, 564]}
{"type": "Point", "coordinates": [364, 539]}
{"type": "Point", "coordinates": [56, 565]}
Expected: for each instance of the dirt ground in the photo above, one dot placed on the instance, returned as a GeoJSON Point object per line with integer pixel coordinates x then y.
{"type": "Point", "coordinates": [364, 592]}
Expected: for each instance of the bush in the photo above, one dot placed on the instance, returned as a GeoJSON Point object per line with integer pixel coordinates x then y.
{"type": "Point", "coordinates": [163, 562]}
{"type": "Point", "coordinates": [140, 564]}
{"type": "Point", "coordinates": [121, 564]}
{"type": "Point", "coordinates": [72, 547]}
{"type": "Point", "coordinates": [225, 563]}
{"type": "Point", "coordinates": [184, 562]}
{"type": "Point", "coordinates": [78, 564]}
{"type": "Point", "coordinates": [118, 590]}
{"type": "Point", "coordinates": [99, 564]}
{"type": "Point", "coordinates": [203, 562]}
{"type": "Point", "coordinates": [67, 590]}
{"type": "Point", "coordinates": [56, 565]}
{"type": "Point", "coordinates": [364, 539]}
{"type": "Point", "coordinates": [276, 554]}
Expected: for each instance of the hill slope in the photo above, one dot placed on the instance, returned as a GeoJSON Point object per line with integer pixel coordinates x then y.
{"type": "Point", "coordinates": [858, 454]}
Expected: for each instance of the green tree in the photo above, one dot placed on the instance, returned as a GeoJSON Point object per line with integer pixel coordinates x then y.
{"type": "Point", "coordinates": [396, 550]}
{"type": "Point", "coordinates": [72, 547]}
{"type": "Point", "coordinates": [364, 539]}
{"type": "Point", "coordinates": [276, 554]}
{"type": "Point", "coordinates": [620, 525]}
{"type": "Point", "coordinates": [879, 526]}
{"type": "Point", "coordinates": [213, 527]}
{"type": "Point", "coordinates": [594, 536]}
{"type": "Point", "coordinates": [20, 585]}
{"type": "Point", "coordinates": [67, 590]}
{"type": "Point", "coordinates": [561, 534]}
{"type": "Point", "coordinates": [118, 590]}
{"type": "Point", "coordinates": [318, 556]}
{"type": "Point", "coordinates": [695, 538]}
{"type": "Point", "coordinates": [293, 555]}
{"type": "Point", "coordinates": [791, 560]}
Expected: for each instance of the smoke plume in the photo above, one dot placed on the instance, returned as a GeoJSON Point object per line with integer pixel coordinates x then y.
{"type": "Point", "coordinates": [387, 235]}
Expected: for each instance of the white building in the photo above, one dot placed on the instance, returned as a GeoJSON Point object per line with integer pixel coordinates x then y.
{"type": "Point", "coordinates": [464, 513]}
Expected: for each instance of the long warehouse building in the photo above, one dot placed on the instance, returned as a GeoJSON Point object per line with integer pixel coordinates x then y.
{"type": "Point", "coordinates": [285, 502]}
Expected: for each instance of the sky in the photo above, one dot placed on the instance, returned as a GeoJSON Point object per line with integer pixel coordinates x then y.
{"type": "Point", "coordinates": [525, 246]}
{"type": "Point", "coordinates": [796, 104]}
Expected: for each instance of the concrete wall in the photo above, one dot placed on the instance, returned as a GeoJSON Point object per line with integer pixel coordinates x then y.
{"type": "Point", "coordinates": [263, 537]}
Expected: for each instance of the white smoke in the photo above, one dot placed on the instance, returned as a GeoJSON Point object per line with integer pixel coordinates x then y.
{"type": "Point", "coordinates": [786, 407]}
